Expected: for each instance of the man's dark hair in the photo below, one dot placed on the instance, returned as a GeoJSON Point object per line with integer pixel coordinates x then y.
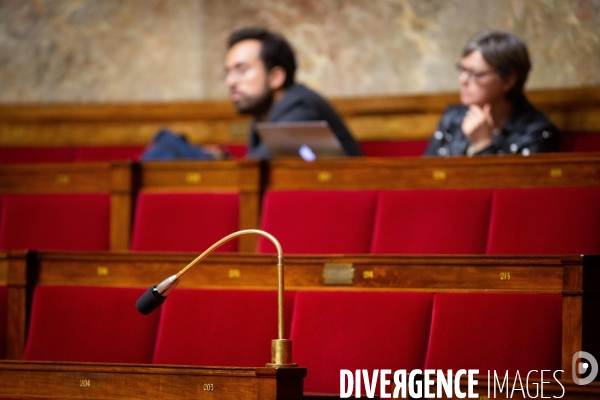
{"type": "Point", "coordinates": [275, 50]}
{"type": "Point", "coordinates": [507, 54]}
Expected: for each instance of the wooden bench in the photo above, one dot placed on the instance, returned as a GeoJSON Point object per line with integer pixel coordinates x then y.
{"type": "Point", "coordinates": [574, 278]}
{"type": "Point", "coordinates": [418, 201]}
{"type": "Point", "coordinates": [123, 180]}
{"type": "Point", "coordinates": [114, 179]}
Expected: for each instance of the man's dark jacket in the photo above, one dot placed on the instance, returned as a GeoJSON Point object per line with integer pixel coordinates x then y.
{"type": "Point", "coordinates": [302, 104]}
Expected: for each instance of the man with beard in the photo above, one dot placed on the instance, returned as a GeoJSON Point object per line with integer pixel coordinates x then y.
{"type": "Point", "coordinates": [260, 67]}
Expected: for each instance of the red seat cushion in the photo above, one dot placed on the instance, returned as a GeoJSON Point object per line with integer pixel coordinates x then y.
{"type": "Point", "coordinates": [95, 324]}
{"type": "Point", "coordinates": [56, 222]}
{"type": "Point", "coordinates": [334, 330]}
{"type": "Point", "coordinates": [3, 320]}
{"type": "Point", "coordinates": [219, 327]}
{"type": "Point", "coordinates": [432, 222]}
{"type": "Point", "coordinates": [318, 222]}
{"type": "Point", "coordinates": [545, 221]}
{"type": "Point", "coordinates": [394, 148]}
{"type": "Point", "coordinates": [109, 153]}
{"type": "Point", "coordinates": [185, 221]}
{"type": "Point", "coordinates": [26, 155]}
{"type": "Point", "coordinates": [501, 332]}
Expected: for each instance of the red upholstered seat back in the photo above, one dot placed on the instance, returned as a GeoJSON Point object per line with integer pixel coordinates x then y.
{"type": "Point", "coordinates": [109, 153]}
{"type": "Point", "coordinates": [96, 324]}
{"type": "Point", "coordinates": [185, 221]}
{"type": "Point", "coordinates": [545, 221]}
{"type": "Point", "coordinates": [318, 222]}
{"type": "Point", "coordinates": [333, 330]}
{"type": "Point", "coordinates": [431, 222]}
{"type": "Point", "coordinates": [3, 321]}
{"type": "Point", "coordinates": [219, 327]}
{"type": "Point", "coordinates": [394, 148]}
{"type": "Point", "coordinates": [501, 332]}
{"type": "Point", "coordinates": [55, 222]}
{"type": "Point", "coordinates": [235, 151]}
{"type": "Point", "coordinates": [587, 143]}
{"type": "Point", "coordinates": [31, 155]}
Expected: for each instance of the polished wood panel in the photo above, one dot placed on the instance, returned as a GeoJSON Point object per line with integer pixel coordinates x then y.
{"type": "Point", "coordinates": [130, 381]}
{"type": "Point", "coordinates": [370, 118]}
{"type": "Point", "coordinates": [541, 274]}
{"type": "Point", "coordinates": [537, 170]}
{"type": "Point", "coordinates": [3, 268]}
{"type": "Point", "coordinates": [55, 178]}
{"type": "Point", "coordinates": [19, 292]}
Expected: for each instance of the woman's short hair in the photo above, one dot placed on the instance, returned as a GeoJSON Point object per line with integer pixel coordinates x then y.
{"type": "Point", "coordinates": [506, 53]}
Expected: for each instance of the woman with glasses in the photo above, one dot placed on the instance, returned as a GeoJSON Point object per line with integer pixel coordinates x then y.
{"type": "Point", "coordinates": [495, 116]}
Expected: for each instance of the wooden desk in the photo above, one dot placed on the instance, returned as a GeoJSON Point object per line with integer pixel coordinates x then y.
{"type": "Point", "coordinates": [510, 171]}
{"type": "Point", "coordinates": [130, 381]}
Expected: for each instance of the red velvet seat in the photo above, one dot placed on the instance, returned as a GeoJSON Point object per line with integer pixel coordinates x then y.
{"type": "Point", "coordinates": [501, 332]}
{"type": "Point", "coordinates": [55, 222]}
{"type": "Point", "coordinates": [394, 148]}
{"type": "Point", "coordinates": [236, 151]}
{"type": "Point", "coordinates": [3, 321]}
{"type": "Point", "coordinates": [27, 155]}
{"type": "Point", "coordinates": [318, 222]}
{"type": "Point", "coordinates": [219, 327]}
{"type": "Point", "coordinates": [567, 141]}
{"type": "Point", "coordinates": [96, 324]}
{"type": "Point", "coordinates": [431, 222]}
{"type": "Point", "coordinates": [333, 330]}
{"type": "Point", "coordinates": [185, 221]}
{"type": "Point", "coordinates": [587, 143]}
{"type": "Point", "coordinates": [545, 221]}
{"type": "Point", "coordinates": [109, 153]}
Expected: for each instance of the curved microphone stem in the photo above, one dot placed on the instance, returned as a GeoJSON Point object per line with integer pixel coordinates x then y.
{"type": "Point", "coordinates": [280, 291]}
{"type": "Point", "coordinates": [281, 348]}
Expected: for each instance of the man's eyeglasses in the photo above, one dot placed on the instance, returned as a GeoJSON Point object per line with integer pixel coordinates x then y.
{"type": "Point", "coordinates": [472, 76]}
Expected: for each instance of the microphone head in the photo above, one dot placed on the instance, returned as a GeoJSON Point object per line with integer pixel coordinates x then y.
{"type": "Point", "coordinates": [149, 301]}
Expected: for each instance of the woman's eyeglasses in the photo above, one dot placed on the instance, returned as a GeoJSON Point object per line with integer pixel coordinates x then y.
{"type": "Point", "coordinates": [472, 76]}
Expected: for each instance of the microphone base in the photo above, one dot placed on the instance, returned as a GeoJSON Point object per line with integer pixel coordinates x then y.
{"type": "Point", "coordinates": [269, 365]}
{"type": "Point", "coordinates": [281, 354]}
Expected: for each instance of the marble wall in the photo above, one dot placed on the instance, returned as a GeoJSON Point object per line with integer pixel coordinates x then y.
{"type": "Point", "coordinates": [172, 50]}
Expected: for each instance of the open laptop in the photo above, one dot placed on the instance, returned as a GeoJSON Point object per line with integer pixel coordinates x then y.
{"type": "Point", "coordinates": [308, 140]}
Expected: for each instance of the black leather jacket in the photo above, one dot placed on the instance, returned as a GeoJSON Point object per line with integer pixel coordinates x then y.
{"type": "Point", "coordinates": [527, 131]}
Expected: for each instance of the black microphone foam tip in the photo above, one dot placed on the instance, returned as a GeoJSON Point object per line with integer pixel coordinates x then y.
{"type": "Point", "coordinates": [149, 301]}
